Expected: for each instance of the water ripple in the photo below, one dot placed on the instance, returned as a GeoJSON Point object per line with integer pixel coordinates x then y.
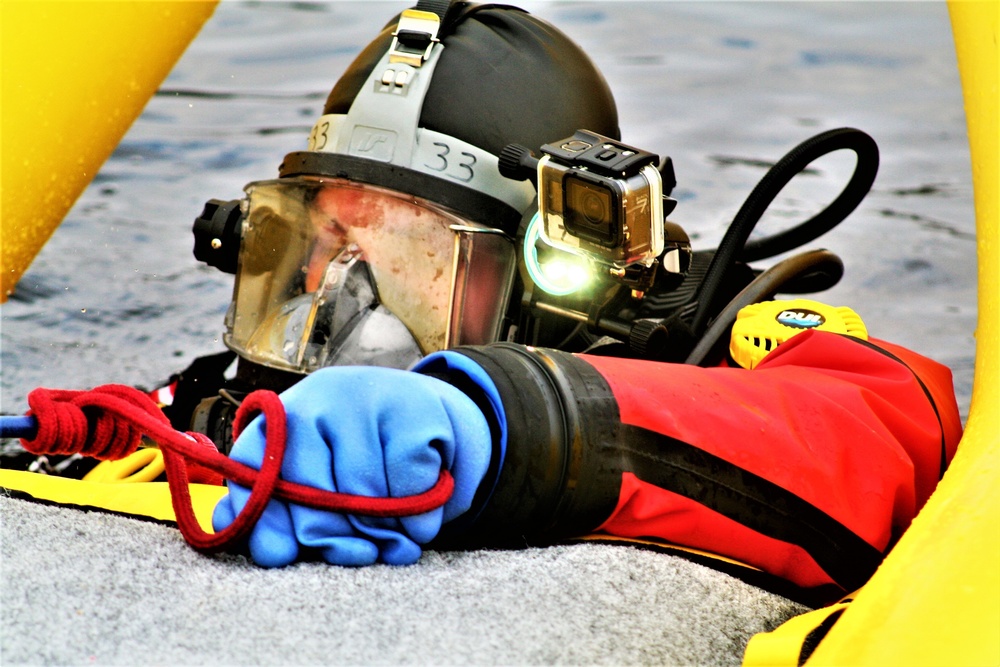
{"type": "Point", "coordinates": [925, 222]}
{"type": "Point", "coordinates": [834, 58]}
{"type": "Point", "coordinates": [238, 95]}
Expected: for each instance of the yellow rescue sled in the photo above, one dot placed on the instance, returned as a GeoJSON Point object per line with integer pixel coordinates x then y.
{"type": "Point", "coordinates": [936, 598]}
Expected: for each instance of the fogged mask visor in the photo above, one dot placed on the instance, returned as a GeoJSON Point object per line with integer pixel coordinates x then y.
{"type": "Point", "coordinates": [333, 273]}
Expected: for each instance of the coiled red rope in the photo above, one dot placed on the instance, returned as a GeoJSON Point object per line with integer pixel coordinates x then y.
{"type": "Point", "coordinates": [108, 423]}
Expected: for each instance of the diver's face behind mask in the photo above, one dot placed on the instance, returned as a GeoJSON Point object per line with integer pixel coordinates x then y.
{"type": "Point", "coordinates": [336, 273]}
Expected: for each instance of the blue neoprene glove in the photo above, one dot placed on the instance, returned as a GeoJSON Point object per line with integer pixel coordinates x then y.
{"type": "Point", "coordinates": [368, 431]}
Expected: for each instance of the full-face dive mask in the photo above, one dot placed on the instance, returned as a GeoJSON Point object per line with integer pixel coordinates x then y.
{"type": "Point", "coordinates": [335, 272]}
{"type": "Point", "coordinates": [393, 235]}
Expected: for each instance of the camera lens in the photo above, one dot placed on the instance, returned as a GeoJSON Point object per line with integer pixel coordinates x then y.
{"type": "Point", "coordinates": [590, 211]}
{"type": "Point", "coordinates": [594, 208]}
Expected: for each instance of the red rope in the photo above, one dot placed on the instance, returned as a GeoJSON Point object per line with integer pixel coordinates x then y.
{"type": "Point", "coordinates": [108, 422]}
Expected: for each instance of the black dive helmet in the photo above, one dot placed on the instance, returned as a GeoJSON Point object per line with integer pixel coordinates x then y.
{"type": "Point", "coordinates": [412, 130]}
{"type": "Point", "coordinates": [485, 75]}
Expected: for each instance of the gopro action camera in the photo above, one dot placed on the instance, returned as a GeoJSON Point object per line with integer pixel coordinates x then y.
{"type": "Point", "coordinates": [600, 198]}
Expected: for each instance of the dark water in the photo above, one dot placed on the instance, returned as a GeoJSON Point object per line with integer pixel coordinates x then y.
{"type": "Point", "coordinates": [723, 88]}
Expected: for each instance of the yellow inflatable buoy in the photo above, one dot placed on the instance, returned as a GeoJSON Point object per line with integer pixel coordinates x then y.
{"type": "Point", "coordinates": [75, 77]}
{"type": "Point", "coordinates": [936, 598]}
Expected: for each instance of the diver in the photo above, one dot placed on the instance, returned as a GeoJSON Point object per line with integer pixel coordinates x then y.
{"type": "Point", "coordinates": [404, 284]}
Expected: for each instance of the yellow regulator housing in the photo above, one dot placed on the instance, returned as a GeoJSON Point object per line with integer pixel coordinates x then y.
{"type": "Point", "coordinates": [761, 327]}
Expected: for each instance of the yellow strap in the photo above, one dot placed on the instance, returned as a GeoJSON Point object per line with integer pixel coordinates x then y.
{"type": "Point", "coordinates": [668, 546]}
{"type": "Point", "coordinates": [143, 465]}
{"type": "Point", "coordinates": [782, 647]}
{"type": "Point", "coordinates": [149, 500]}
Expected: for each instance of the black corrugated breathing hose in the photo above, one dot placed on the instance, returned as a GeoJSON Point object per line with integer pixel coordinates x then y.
{"type": "Point", "coordinates": [734, 246]}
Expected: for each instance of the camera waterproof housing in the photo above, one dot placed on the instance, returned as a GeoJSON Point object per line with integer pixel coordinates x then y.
{"type": "Point", "coordinates": [602, 199]}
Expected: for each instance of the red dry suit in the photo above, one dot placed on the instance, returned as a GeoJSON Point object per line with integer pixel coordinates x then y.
{"type": "Point", "coordinates": [808, 467]}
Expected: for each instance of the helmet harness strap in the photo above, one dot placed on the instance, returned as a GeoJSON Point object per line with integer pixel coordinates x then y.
{"type": "Point", "coordinates": [382, 124]}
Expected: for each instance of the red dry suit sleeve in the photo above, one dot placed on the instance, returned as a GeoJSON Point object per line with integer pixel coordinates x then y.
{"type": "Point", "coordinates": [828, 434]}
{"type": "Point", "coordinates": [807, 467]}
